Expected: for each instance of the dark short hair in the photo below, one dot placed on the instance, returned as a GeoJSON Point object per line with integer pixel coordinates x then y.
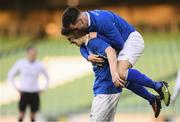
{"type": "Point", "coordinates": [65, 31]}
{"type": "Point", "coordinates": [75, 33]}
{"type": "Point", "coordinates": [70, 16]}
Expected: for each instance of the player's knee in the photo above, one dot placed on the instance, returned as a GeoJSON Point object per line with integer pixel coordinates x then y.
{"type": "Point", "coordinates": [122, 75]}
{"type": "Point", "coordinates": [122, 69]}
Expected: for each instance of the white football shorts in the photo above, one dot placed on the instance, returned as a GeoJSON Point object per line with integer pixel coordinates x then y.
{"type": "Point", "coordinates": [133, 48]}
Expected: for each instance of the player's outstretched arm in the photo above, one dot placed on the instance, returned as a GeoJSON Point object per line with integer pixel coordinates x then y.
{"type": "Point", "coordinates": [111, 55]}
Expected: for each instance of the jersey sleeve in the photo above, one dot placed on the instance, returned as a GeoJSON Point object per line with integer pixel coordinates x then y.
{"type": "Point", "coordinates": [13, 72]}
{"type": "Point", "coordinates": [98, 45]}
{"type": "Point", "coordinates": [109, 29]}
{"type": "Point", "coordinates": [84, 52]}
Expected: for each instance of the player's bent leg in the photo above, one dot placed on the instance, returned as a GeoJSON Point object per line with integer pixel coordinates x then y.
{"type": "Point", "coordinates": [137, 77]}
{"type": "Point", "coordinates": [141, 91]}
{"type": "Point", "coordinates": [104, 107]}
{"type": "Point", "coordinates": [123, 69]}
{"type": "Point", "coordinates": [133, 48]}
{"type": "Point", "coordinates": [134, 76]}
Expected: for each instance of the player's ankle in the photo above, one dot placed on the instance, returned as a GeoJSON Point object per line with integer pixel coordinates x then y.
{"type": "Point", "coordinates": [158, 86]}
{"type": "Point", "coordinates": [151, 101]}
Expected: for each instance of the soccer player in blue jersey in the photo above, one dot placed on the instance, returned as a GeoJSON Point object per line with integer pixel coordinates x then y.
{"type": "Point", "coordinates": [103, 85]}
{"type": "Point", "coordinates": [121, 36]}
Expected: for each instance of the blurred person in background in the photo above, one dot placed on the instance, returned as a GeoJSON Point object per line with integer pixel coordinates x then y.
{"type": "Point", "coordinates": [28, 70]}
{"type": "Point", "coordinates": [177, 88]}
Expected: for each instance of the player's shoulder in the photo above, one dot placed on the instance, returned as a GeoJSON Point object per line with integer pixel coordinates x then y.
{"type": "Point", "coordinates": [96, 42]}
{"type": "Point", "coordinates": [99, 13]}
{"type": "Point", "coordinates": [102, 17]}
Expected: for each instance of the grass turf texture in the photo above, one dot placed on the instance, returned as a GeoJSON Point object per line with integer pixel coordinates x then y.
{"type": "Point", "coordinates": [76, 96]}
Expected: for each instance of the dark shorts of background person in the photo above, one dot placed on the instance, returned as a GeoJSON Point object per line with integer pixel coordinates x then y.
{"type": "Point", "coordinates": [29, 99]}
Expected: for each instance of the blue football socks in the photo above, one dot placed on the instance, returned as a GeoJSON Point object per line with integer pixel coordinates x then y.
{"type": "Point", "coordinates": [134, 76]}
{"type": "Point", "coordinates": [141, 91]}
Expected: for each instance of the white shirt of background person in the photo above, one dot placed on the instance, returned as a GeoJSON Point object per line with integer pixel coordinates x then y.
{"type": "Point", "coordinates": [28, 70]}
